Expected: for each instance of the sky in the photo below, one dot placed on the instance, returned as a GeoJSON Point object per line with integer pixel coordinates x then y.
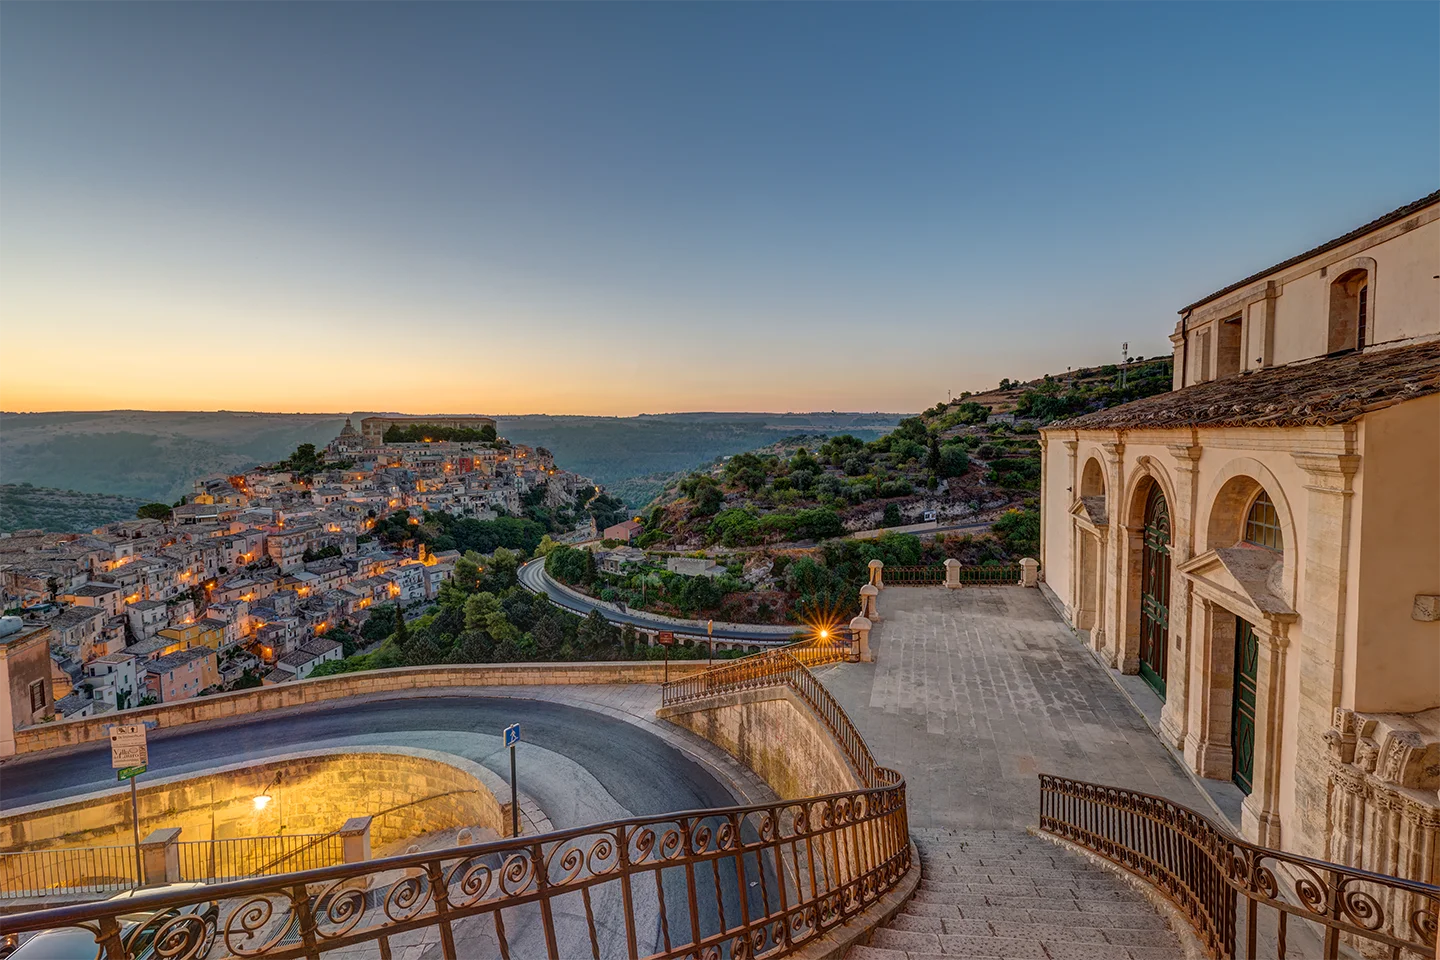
{"type": "Point", "coordinates": [617, 208]}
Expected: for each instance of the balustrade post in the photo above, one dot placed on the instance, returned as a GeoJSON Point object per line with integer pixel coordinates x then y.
{"type": "Point", "coordinates": [952, 574]}
{"type": "Point", "coordinates": [1029, 572]}
{"type": "Point", "coordinates": [355, 839]}
{"type": "Point", "coordinates": [160, 855]}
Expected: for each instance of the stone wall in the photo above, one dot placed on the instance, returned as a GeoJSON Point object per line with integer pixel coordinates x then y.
{"type": "Point", "coordinates": [775, 733]}
{"type": "Point", "coordinates": [408, 792]}
{"type": "Point", "coordinates": [243, 702]}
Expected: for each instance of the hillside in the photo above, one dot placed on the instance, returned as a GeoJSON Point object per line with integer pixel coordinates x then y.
{"type": "Point", "coordinates": [23, 507]}
{"type": "Point", "coordinates": [967, 461]}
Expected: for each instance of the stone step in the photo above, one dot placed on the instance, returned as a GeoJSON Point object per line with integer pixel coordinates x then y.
{"type": "Point", "coordinates": [994, 895]}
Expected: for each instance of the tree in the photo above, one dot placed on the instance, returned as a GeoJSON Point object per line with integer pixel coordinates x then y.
{"type": "Point", "coordinates": [548, 636]}
{"type": "Point", "coordinates": [379, 624]}
{"type": "Point", "coordinates": [892, 515]}
{"type": "Point", "coordinates": [933, 459]}
{"type": "Point", "coordinates": [155, 511]}
{"type": "Point", "coordinates": [402, 630]}
{"type": "Point", "coordinates": [953, 460]}
{"type": "Point", "coordinates": [1019, 531]}
{"type": "Point", "coordinates": [595, 634]}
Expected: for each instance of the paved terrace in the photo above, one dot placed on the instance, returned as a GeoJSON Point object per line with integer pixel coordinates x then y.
{"type": "Point", "coordinates": [975, 691]}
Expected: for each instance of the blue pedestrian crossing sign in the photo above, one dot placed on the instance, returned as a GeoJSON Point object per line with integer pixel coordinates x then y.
{"type": "Point", "coordinates": [512, 734]}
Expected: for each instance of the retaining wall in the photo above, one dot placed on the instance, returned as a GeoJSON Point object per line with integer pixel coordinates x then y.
{"type": "Point", "coordinates": [774, 732]}
{"type": "Point", "coordinates": [257, 699]}
{"type": "Point", "coordinates": [407, 791]}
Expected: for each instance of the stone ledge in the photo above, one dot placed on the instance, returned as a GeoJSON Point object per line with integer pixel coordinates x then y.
{"type": "Point", "coordinates": [84, 730]}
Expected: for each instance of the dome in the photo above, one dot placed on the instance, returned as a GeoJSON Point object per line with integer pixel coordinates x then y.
{"type": "Point", "coordinates": [348, 430]}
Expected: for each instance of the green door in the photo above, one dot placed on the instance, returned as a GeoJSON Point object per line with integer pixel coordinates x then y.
{"type": "Point", "coordinates": [1242, 710]}
{"type": "Point", "coordinates": [1155, 591]}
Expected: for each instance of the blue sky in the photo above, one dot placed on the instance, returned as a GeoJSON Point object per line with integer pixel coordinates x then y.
{"type": "Point", "coordinates": [615, 208]}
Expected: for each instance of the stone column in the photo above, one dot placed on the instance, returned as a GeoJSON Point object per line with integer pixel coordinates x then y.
{"type": "Point", "coordinates": [160, 856]}
{"type": "Point", "coordinates": [1174, 714]}
{"type": "Point", "coordinates": [1321, 601]}
{"type": "Point", "coordinates": [952, 574]}
{"type": "Point", "coordinates": [355, 839]}
{"type": "Point", "coordinates": [860, 627]}
{"type": "Point", "coordinates": [1029, 572]}
{"type": "Point", "coordinates": [877, 574]}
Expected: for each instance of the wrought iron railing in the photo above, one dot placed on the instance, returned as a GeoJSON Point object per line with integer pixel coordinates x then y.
{"type": "Point", "coordinates": [995, 574]}
{"type": "Point", "coordinates": [75, 870]}
{"type": "Point", "coordinates": [726, 884]}
{"type": "Point", "coordinates": [756, 670]}
{"type": "Point", "coordinates": [212, 860]}
{"type": "Point", "coordinates": [932, 575]}
{"type": "Point", "coordinates": [1243, 900]}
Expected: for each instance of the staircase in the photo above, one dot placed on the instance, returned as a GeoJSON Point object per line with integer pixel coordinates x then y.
{"type": "Point", "coordinates": [1007, 894]}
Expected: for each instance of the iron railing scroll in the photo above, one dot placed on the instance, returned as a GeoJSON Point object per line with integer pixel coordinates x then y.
{"type": "Point", "coordinates": [1242, 899]}
{"type": "Point", "coordinates": [735, 883]}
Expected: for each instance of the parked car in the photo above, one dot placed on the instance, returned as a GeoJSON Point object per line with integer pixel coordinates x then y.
{"type": "Point", "coordinates": [137, 929]}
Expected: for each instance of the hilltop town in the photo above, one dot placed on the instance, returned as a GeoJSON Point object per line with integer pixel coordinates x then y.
{"type": "Point", "coordinates": [260, 577]}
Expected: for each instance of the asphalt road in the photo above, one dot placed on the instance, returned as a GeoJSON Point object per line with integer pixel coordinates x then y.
{"type": "Point", "coordinates": [534, 579]}
{"type": "Point", "coordinates": [643, 773]}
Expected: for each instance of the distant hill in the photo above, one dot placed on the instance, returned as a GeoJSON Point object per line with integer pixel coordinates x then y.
{"type": "Point", "coordinates": [970, 460]}
{"type": "Point", "coordinates": [146, 454]}
{"type": "Point", "coordinates": [155, 455]}
{"type": "Point", "coordinates": [23, 507]}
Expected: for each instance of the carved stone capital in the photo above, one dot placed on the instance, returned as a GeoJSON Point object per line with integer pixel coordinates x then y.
{"type": "Point", "coordinates": [1328, 472]}
{"type": "Point", "coordinates": [1186, 457]}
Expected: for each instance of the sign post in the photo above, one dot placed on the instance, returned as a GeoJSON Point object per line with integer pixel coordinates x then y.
{"type": "Point", "coordinates": [666, 639]}
{"type": "Point", "coordinates": [512, 737]}
{"type": "Point", "coordinates": [129, 755]}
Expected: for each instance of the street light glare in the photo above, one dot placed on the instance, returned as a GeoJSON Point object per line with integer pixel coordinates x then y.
{"type": "Point", "coordinates": [824, 633]}
{"type": "Point", "coordinates": [262, 801]}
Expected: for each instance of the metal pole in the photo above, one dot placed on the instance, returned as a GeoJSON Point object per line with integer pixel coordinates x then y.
{"type": "Point", "coordinates": [667, 662]}
{"type": "Point", "coordinates": [514, 797]}
{"type": "Point", "coordinates": [135, 819]}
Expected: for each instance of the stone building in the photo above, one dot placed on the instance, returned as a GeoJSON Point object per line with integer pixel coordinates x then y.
{"type": "Point", "coordinates": [1262, 544]}
{"type": "Point", "coordinates": [372, 429]}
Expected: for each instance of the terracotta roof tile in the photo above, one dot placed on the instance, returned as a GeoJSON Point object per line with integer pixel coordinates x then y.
{"type": "Point", "coordinates": [1329, 390]}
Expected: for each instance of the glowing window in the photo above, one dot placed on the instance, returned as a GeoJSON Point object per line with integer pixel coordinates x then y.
{"type": "Point", "coordinates": [1262, 524]}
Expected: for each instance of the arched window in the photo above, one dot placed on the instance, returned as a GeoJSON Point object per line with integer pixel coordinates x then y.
{"type": "Point", "coordinates": [1262, 524]}
{"type": "Point", "coordinates": [1349, 311]}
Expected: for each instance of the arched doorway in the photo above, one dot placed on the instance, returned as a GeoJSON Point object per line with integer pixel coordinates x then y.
{"type": "Point", "coordinates": [1155, 590]}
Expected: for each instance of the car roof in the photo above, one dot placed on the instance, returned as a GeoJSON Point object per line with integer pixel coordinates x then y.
{"type": "Point", "coordinates": [62, 943]}
{"type": "Point", "coordinates": [163, 888]}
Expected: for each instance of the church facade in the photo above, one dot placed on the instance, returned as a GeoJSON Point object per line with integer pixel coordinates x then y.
{"type": "Point", "coordinates": [1262, 544]}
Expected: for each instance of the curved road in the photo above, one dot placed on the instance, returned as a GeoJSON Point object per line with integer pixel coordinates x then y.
{"type": "Point", "coordinates": [534, 579]}
{"type": "Point", "coordinates": [644, 774]}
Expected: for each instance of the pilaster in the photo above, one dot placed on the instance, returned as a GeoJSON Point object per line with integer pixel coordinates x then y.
{"type": "Point", "coordinates": [1322, 606]}
{"type": "Point", "coordinates": [1174, 715]}
{"type": "Point", "coordinates": [1114, 611]}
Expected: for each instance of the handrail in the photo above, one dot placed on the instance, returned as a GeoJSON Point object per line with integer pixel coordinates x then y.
{"type": "Point", "coordinates": [733, 882]}
{"type": "Point", "coordinates": [1209, 873]}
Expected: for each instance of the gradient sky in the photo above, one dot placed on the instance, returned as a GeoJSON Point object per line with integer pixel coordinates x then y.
{"type": "Point", "coordinates": [617, 208]}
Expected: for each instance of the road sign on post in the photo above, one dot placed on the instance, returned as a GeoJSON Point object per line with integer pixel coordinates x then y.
{"type": "Point", "coordinates": [512, 737]}
{"type": "Point", "coordinates": [127, 745]}
{"type": "Point", "coordinates": [129, 756]}
{"type": "Point", "coordinates": [666, 639]}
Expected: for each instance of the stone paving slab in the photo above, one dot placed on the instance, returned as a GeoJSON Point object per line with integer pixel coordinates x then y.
{"type": "Point", "coordinates": [974, 692]}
